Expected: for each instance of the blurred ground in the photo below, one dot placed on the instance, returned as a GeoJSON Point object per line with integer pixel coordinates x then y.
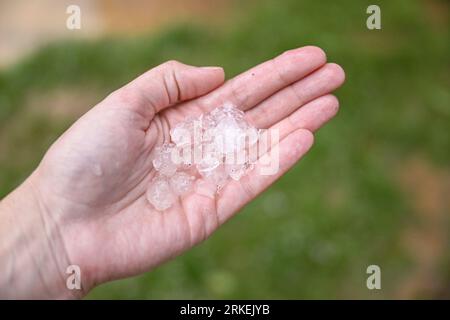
{"type": "Point", "coordinates": [373, 190]}
{"type": "Point", "coordinates": [26, 25]}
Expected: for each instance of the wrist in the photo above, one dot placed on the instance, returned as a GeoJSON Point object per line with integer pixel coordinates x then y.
{"type": "Point", "coordinates": [32, 249]}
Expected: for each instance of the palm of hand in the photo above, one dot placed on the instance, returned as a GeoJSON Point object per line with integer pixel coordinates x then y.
{"type": "Point", "coordinates": [99, 170]}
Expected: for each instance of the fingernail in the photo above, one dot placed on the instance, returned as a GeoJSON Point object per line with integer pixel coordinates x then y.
{"type": "Point", "coordinates": [211, 68]}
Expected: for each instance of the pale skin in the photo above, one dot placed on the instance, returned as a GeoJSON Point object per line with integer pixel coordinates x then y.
{"type": "Point", "coordinates": [85, 203]}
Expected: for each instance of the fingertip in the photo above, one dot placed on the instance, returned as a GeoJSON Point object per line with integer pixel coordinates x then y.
{"type": "Point", "coordinates": [308, 137]}
{"type": "Point", "coordinates": [317, 52]}
{"type": "Point", "coordinates": [337, 72]}
{"type": "Point", "coordinates": [304, 139]}
{"type": "Point", "coordinates": [313, 51]}
{"type": "Point", "coordinates": [332, 102]}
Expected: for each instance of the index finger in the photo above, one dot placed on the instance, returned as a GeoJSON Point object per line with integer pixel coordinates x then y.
{"type": "Point", "coordinates": [256, 84]}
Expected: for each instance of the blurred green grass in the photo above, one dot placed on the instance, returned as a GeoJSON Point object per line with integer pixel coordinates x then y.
{"type": "Point", "coordinates": [313, 234]}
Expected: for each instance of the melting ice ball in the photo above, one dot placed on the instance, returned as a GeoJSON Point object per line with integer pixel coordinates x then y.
{"type": "Point", "coordinates": [160, 194]}
{"type": "Point", "coordinates": [163, 162]}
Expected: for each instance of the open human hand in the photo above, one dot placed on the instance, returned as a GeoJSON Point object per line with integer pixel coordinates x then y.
{"type": "Point", "coordinates": [88, 193]}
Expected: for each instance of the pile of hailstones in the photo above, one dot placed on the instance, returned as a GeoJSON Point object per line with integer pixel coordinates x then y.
{"type": "Point", "coordinates": [213, 147]}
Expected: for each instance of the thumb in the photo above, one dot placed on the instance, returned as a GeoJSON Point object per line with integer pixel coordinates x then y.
{"type": "Point", "coordinates": [169, 83]}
